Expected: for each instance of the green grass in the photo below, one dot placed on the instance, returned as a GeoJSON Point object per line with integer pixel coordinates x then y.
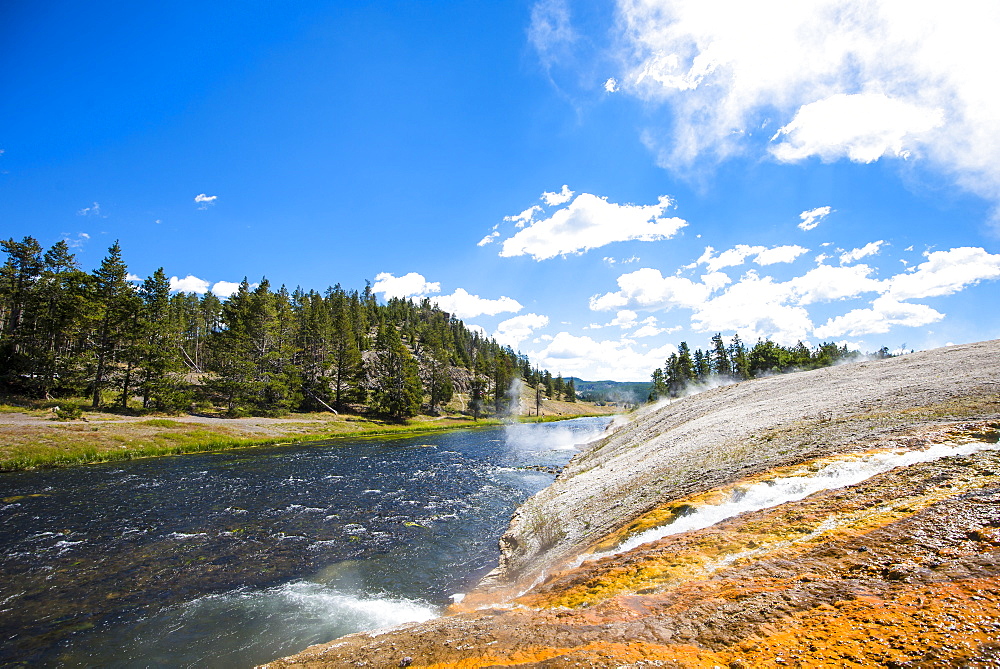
{"type": "Point", "coordinates": [162, 422]}
{"type": "Point", "coordinates": [101, 437]}
{"type": "Point", "coordinates": [60, 448]}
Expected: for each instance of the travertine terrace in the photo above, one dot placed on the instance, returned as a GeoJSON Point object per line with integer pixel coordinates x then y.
{"type": "Point", "coordinates": [900, 569]}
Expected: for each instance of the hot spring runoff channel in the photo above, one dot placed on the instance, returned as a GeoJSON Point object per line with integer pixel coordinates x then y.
{"type": "Point", "coordinates": [239, 557]}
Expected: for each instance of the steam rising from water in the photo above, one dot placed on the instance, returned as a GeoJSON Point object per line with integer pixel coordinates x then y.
{"type": "Point", "coordinates": [778, 491]}
{"type": "Point", "coordinates": [557, 436]}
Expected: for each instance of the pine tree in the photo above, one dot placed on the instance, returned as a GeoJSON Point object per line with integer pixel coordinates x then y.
{"type": "Point", "coordinates": [738, 354]}
{"type": "Point", "coordinates": [117, 304]}
{"type": "Point", "coordinates": [18, 280]}
{"type": "Point", "coordinates": [721, 364]}
{"type": "Point", "coordinates": [159, 347]}
{"type": "Point", "coordinates": [685, 365]}
{"type": "Point", "coordinates": [659, 387]}
{"type": "Point", "coordinates": [393, 376]}
{"type": "Point", "coordinates": [570, 390]}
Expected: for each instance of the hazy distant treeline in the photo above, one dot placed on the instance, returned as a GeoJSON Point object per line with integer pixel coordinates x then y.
{"type": "Point", "coordinates": [66, 332]}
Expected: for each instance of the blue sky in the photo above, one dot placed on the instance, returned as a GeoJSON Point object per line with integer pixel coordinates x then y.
{"type": "Point", "coordinates": [590, 182]}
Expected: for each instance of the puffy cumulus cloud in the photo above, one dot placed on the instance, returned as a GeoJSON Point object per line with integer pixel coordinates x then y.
{"type": "Point", "coordinates": [515, 330]}
{"type": "Point", "coordinates": [625, 319]}
{"type": "Point", "coordinates": [869, 249]}
{"type": "Point", "coordinates": [649, 289]}
{"type": "Point", "coordinates": [813, 217]}
{"type": "Point", "coordinates": [884, 313]}
{"type": "Point", "coordinates": [826, 284]}
{"type": "Point", "coordinates": [946, 272]}
{"type": "Point", "coordinates": [464, 305]}
{"type": "Point", "coordinates": [556, 199]}
{"type": "Point", "coordinates": [649, 329]}
{"type": "Point", "coordinates": [754, 307]}
{"type": "Point", "coordinates": [189, 284]}
{"type": "Point", "coordinates": [227, 288]}
{"type": "Point", "coordinates": [779, 254]}
{"type": "Point", "coordinates": [205, 201]}
{"type": "Point", "coordinates": [759, 306]}
{"type": "Point", "coordinates": [590, 222]}
{"type": "Point", "coordinates": [408, 285]}
{"type": "Point", "coordinates": [858, 79]}
{"type": "Point", "coordinates": [611, 85]}
{"type": "Point", "coordinates": [863, 127]}
{"type": "Point", "coordinates": [584, 357]}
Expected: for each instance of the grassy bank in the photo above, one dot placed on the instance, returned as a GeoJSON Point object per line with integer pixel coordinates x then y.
{"type": "Point", "coordinates": [30, 438]}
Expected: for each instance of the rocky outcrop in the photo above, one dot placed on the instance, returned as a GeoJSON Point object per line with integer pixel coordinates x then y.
{"type": "Point", "coordinates": [900, 569]}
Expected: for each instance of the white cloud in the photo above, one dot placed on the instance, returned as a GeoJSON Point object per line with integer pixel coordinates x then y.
{"type": "Point", "coordinates": [813, 217]}
{"type": "Point", "coordinates": [946, 272]}
{"type": "Point", "coordinates": [550, 31]}
{"type": "Point", "coordinates": [75, 243]}
{"type": "Point", "coordinates": [591, 222]}
{"type": "Point", "coordinates": [463, 305]}
{"type": "Point", "coordinates": [205, 200]}
{"type": "Point", "coordinates": [739, 253]}
{"type": "Point", "coordinates": [611, 85]}
{"type": "Point", "coordinates": [730, 258]}
{"type": "Point", "coordinates": [587, 358]}
{"type": "Point", "coordinates": [869, 249]}
{"type": "Point", "coordinates": [556, 199]}
{"type": "Point", "coordinates": [754, 307]}
{"type": "Point", "coordinates": [826, 284]}
{"type": "Point", "coordinates": [488, 239]}
{"type": "Point", "coordinates": [408, 285]}
{"type": "Point", "coordinates": [526, 216]}
{"type": "Point", "coordinates": [471, 327]}
{"type": "Point", "coordinates": [779, 254]}
{"type": "Point", "coordinates": [189, 284]}
{"type": "Point", "coordinates": [863, 127]}
{"type": "Point", "coordinates": [515, 330]}
{"type": "Point", "coordinates": [625, 319]}
{"type": "Point", "coordinates": [758, 306]}
{"type": "Point", "coordinates": [884, 314]}
{"type": "Point", "coordinates": [649, 329]}
{"type": "Point", "coordinates": [92, 210]}
{"type": "Point", "coordinates": [227, 288]}
{"type": "Point", "coordinates": [904, 76]}
{"type": "Point", "coordinates": [132, 277]}
{"type": "Point", "coordinates": [649, 289]}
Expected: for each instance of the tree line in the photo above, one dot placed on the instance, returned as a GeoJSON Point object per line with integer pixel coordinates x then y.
{"type": "Point", "coordinates": [736, 362]}
{"type": "Point", "coordinates": [262, 351]}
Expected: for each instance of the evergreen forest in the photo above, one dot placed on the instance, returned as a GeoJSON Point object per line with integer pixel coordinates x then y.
{"type": "Point", "coordinates": [136, 346]}
{"type": "Point", "coordinates": [725, 363]}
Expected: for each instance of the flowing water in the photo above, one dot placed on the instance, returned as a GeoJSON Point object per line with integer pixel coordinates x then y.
{"type": "Point", "coordinates": [234, 558]}
{"type": "Point", "coordinates": [772, 492]}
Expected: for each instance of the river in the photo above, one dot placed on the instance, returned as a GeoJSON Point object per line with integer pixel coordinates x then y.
{"type": "Point", "coordinates": [235, 558]}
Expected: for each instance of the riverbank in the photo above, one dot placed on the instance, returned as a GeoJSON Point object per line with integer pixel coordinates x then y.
{"type": "Point", "coordinates": [31, 438]}
{"type": "Point", "coordinates": [897, 565]}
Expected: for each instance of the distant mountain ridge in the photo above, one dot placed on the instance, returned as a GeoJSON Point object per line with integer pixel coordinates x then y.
{"type": "Point", "coordinates": [632, 392]}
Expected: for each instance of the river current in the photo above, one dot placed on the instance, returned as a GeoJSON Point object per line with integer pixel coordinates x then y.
{"type": "Point", "coordinates": [235, 558]}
